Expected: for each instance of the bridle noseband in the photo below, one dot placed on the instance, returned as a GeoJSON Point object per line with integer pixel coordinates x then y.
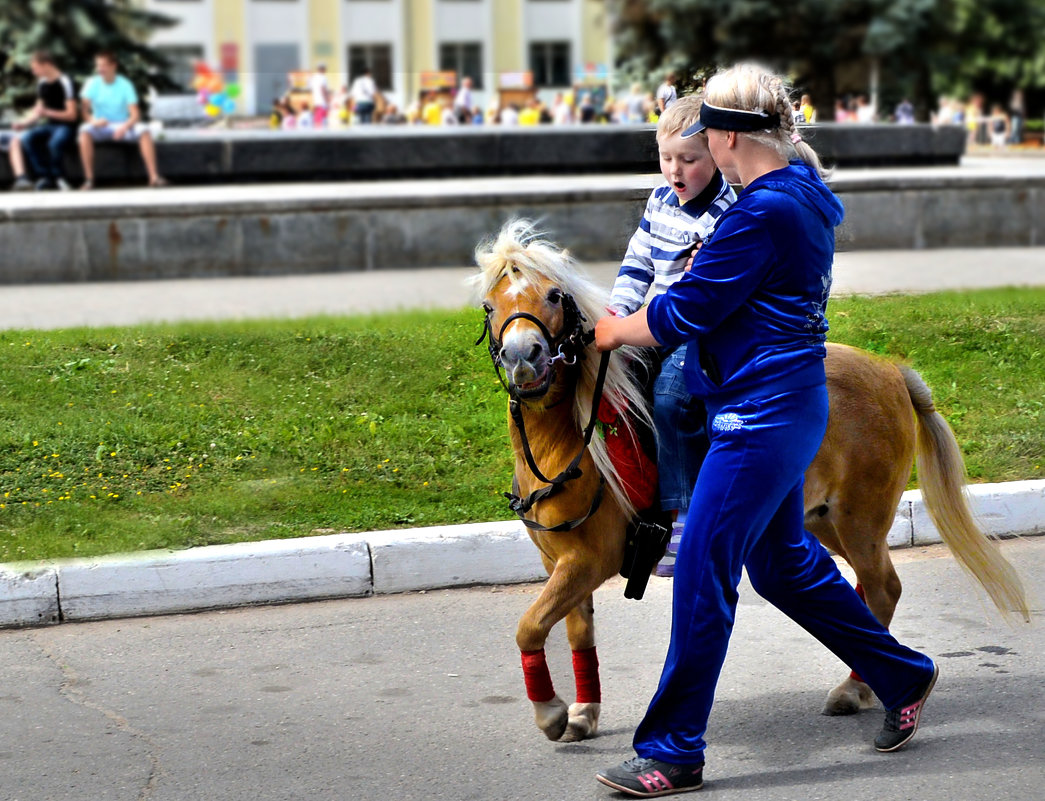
{"type": "Point", "coordinates": [568, 346]}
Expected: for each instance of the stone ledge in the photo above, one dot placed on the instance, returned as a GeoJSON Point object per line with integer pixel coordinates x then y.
{"type": "Point", "coordinates": [224, 156]}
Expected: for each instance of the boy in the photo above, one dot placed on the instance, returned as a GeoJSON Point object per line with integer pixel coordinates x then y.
{"type": "Point", "coordinates": [679, 217]}
{"type": "Point", "coordinates": [111, 112]}
{"type": "Point", "coordinates": [50, 128]}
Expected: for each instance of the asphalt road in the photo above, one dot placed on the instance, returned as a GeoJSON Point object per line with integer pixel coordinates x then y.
{"type": "Point", "coordinates": [420, 697]}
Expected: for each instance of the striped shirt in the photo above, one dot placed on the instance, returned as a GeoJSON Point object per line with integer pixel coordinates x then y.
{"type": "Point", "coordinates": [660, 247]}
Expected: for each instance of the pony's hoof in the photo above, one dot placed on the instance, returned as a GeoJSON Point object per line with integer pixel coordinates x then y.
{"type": "Point", "coordinates": [552, 717]}
{"type": "Point", "coordinates": [848, 698]}
{"type": "Point", "coordinates": [583, 722]}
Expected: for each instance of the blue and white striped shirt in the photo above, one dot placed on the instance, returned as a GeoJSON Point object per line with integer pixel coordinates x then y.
{"type": "Point", "coordinates": [659, 249]}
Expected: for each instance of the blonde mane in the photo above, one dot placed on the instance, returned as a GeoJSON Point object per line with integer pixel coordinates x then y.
{"type": "Point", "coordinates": [520, 253]}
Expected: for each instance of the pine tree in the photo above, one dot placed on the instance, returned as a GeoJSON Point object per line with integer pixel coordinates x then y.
{"type": "Point", "coordinates": [73, 31]}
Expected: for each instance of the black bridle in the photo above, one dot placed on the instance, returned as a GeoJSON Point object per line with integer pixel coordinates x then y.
{"type": "Point", "coordinates": [569, 347]}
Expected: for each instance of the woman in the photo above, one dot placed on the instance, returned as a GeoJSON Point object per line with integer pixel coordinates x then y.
{"type": "Point", "coordinates": [753, 308]}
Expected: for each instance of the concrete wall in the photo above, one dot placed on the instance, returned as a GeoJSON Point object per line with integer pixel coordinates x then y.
{"type": "Point", "coordinates": [387, 225]}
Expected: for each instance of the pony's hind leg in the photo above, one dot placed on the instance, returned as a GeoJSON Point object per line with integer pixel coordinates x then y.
{"type": "Point", "coordinates": [583, 719]}
{"type": "Point", "coordinates": [867, 552]}
{"type": "Point", "coordinates": [568, 585]}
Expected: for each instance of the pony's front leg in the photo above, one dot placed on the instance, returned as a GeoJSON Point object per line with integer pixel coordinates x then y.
{"type": "Point", "coordinates": [584, 713]}
{"type": "Point", "coordinates": [564, 590]}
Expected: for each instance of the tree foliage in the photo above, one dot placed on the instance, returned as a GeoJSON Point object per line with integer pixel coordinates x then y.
{"type": "Point", "coordinates": [74, 31]}
{"type": "Point", "coordinates": [921, 47]}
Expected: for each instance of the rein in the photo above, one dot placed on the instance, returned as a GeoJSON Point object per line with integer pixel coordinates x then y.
{"type": "Point", "coordinates": [569, 347]}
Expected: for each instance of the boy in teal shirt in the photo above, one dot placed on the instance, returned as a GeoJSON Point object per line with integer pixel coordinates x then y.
{"type": "Point", "coordinates": [111, 111]}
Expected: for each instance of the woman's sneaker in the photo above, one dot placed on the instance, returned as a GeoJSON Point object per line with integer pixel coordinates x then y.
{"type": "Point", "coordinates": [646, 778]}
{"type": "Point", "coordinates": [666, 566]}
{"type": "Point", "coordinates": [901, 723]}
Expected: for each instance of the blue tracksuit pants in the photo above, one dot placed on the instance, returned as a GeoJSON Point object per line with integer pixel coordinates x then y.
{"type": "Point", "coordinates": [747, 511]}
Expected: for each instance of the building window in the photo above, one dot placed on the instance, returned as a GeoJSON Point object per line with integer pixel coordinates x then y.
{"type": "Point", "coordinates": [183, 60]}
{"type": "Point", "coordinates": [376, 57]}
{"type": "Point", "coordinates": [550, 63]}
{"type": "Point", "coordinates": [464, 58]}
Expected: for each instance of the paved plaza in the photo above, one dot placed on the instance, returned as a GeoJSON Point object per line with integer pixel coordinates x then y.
{"type": "Point", "coordinates": [420, 696]}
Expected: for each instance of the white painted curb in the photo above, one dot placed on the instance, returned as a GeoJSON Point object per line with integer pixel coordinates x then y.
{"type": "Point", "coordinates": [453, 556]}
{"type": "Point", "coordinates": [352, 565]}
{"type": "Point", "coordinates": [29, 596]}
{"type": "Point", "coordinates": [217, 576]}
{"type": "Point", "coordinates": [1007, 509]}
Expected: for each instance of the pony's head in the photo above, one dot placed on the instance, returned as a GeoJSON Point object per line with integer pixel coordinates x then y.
{"type": "Point", "coordinates": [535, 303]}
{"type": "Point", "coordinates": [540, 311]}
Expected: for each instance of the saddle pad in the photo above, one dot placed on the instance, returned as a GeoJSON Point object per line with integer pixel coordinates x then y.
{"type": "Point", "coordinates": [637, 471]}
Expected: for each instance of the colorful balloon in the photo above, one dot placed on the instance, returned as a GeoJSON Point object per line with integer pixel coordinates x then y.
{"type": "Point", "coordinates": [203, 97]}
{"type": "Point", "coordinates": [211, 110]}
{"type": "Point", "coordinates": [232, 90]}
{"type": "Point", "coordinates": [229, 106]}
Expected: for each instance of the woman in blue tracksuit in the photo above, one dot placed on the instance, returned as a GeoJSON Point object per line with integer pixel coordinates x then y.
{"type": "Point", "coordinates": [752, 308]}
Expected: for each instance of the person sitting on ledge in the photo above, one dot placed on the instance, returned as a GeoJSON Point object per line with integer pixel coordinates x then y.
{"type": "Point", "coordinates": [111, 111]}
{"type": "Point", "coordinates": [49, 128]}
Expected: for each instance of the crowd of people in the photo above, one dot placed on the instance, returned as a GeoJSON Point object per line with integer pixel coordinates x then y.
{"type": "Point", "coordinates": [998, 127]}
{"type": "Point", "coordinates": [362, 103]}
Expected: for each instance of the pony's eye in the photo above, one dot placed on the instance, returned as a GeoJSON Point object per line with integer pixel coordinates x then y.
{"type": "Point", "coordinates": [488, 309]}
{"type": "Point", "coordinates": [554, 295]}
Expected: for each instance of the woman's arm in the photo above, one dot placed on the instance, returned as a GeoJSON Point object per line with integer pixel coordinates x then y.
{"type": "Point", "coordinates": [612, 332]}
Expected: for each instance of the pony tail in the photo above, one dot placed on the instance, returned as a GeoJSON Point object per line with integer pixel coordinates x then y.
{"type": "Point", "coordinates": [790, 131]}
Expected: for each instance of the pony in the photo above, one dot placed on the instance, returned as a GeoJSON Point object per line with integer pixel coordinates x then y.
{"type": "Point", "coordinates": [537, 301]}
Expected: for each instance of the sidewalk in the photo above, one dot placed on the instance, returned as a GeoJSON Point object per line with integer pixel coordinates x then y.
{"type": "Point", "coordinates": [420, 697]}
{"type": "Point", "coordinates": [47, 306]}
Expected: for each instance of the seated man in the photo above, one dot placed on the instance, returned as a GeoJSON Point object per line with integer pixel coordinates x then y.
{"type": "Point", "coordinates": [110, 108]}
{"type": "Point", "coordinates": [49, 127]}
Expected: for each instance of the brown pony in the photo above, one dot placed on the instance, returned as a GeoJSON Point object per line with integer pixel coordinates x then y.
{"type": "Point", "coordinates": [880, 416]}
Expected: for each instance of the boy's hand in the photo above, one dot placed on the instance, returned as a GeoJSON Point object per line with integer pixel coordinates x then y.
{"type": "Point", "coordinates": [693, 254]}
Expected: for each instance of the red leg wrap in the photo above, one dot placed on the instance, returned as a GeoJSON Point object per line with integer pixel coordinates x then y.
{"type": "Point", "coordinates": [859, 591]}
{"type": "Point", "coordinates": [586, 673]}
{"type": "Point", "coordinates": [538, 680]}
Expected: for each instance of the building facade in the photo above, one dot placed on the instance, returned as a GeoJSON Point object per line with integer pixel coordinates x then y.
{"type": "Point", "coordinates": [256, 43]}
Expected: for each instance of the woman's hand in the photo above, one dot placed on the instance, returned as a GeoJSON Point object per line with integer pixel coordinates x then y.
{"type": "Point", "coordinates": [607, 331]}
{"type": "Point", "coordinates": [612, 332]}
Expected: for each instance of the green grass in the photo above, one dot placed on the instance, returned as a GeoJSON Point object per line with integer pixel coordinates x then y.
{"type": "Point", "coordinates": [174, 436]}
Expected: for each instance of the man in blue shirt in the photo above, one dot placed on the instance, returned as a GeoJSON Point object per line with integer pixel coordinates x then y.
{"type": "Point", "coordinates": [111, 112]}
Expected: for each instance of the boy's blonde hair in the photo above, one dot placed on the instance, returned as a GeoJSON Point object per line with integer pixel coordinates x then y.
{"type": "Point", "coordinates": [752, 87]}
{"type": "Point", "coordinates": [677, 117]}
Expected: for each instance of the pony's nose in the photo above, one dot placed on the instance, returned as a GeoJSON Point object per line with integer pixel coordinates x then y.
{"type": "Point", "coordinates": [513, 353]}
{"type": "Point", "coordinates": [524, 358]}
